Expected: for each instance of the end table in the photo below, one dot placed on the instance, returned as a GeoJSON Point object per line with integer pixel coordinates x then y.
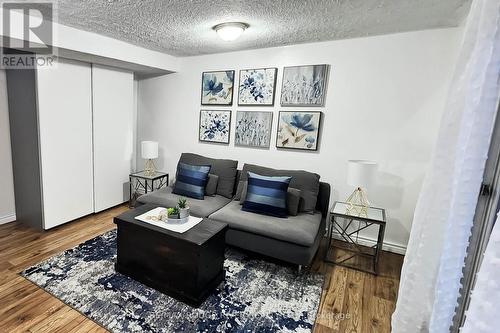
{"type": "Point", "coordinates": [346, 223]}
{"type": "Point", "coordinates": [140, 183]}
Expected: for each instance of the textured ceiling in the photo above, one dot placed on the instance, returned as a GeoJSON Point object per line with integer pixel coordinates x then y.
{"type": "Point", "coordinates": [184, 28]}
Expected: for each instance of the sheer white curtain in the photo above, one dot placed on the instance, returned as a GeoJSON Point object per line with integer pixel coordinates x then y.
{"type": "Point", "coordinates": [432, 268]}
{"type": "Point", "coordinates": [482, 315]}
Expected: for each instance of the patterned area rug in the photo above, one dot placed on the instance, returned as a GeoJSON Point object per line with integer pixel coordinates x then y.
{"type": "Point", "coordinates": [257, 296]}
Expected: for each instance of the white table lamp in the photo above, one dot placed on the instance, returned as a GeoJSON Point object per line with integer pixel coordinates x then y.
{"type": "Point", "coordinates": [149, 151]}
{"type": "Point", "coordinates": [360, 173]}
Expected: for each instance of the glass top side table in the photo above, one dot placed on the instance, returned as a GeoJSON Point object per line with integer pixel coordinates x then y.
{"type": "Point", "coordinates": [141, 183]}
{"type": "Point", "coordinates": [142, 174]}
{"type": "Point", "coordinates": [345, 225]}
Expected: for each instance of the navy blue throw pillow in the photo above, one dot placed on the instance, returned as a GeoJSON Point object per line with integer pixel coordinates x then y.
{"type": "Point", "coordinates": [266, 195]}
{"type": "Point", "coordinates": [191, 180]}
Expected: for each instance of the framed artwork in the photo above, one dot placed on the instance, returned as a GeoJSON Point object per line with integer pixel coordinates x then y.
{"type": "Point", "coordinates": [253, 129]}
{"type": "Point", "coordinates": [217, 88]}
{"type": "Point", "coordinates": [257, 87]}
{"type": "Point", "coordinates": [298, 130]}
{"type": "Point", "coordinates": [215, 126]}
{"type": "Point", "coordinates": [304, 85]}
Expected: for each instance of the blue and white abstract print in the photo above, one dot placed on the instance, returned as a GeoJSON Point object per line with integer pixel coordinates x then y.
{"type": "Point", "coordinates": [215, 126]}
{"type": "Point", "coordinates": [256, 296]}
{"type": "Point", "coordinates": [253, 129]}
{"type": "Point", "coordinates": [304, 85]}
{"type": "Point", "coordinates": [298, 130]}
{"type": "Point", "coordinates": [217, 88]}
{"type": "Point", "coordinates": [257, 86]}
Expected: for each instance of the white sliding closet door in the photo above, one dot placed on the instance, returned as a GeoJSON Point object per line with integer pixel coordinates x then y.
{"type": "Point", "coordinates": [65, 130]}
{"type": "Point", "coordinates": [113, 113]}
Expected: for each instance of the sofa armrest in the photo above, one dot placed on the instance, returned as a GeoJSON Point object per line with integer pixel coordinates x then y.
{"type": "Point", "coordinates": [323, 203]}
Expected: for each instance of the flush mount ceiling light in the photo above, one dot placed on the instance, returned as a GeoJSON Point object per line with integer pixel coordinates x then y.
{"type": "Point", "coordinates": [230, 31]}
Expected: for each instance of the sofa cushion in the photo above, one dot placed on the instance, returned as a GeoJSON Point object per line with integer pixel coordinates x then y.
{"type": "Point", "coordinates": [301, 229]}
{"type": "Point", "coordinates": [211, 188]}
{"type": "Point", "coordinates": [292, 198]}
{"type": "Point", "coordinates": [191, 180]}
{"type": "Point", "coordinates": [239, 189]}
{"type": "Point", "coordinates": [201, 208]}
{"type": "Point", "coordinates": [225, 169]}
{"type": "Point", "coordinates": [293, 201]}
{"type": "Point", "coordinates": [243, 193]}
{"type": "Point", "coordinates": [306, 182]}
{"type": "Point", "coordinates": [266, 195]}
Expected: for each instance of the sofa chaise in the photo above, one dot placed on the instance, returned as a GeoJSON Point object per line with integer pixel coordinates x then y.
{"type": "Point", "coordinates": [294, 239]}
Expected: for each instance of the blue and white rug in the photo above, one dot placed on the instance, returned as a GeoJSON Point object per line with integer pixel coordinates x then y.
{"type": "Point", "coordinates": [257, 296]}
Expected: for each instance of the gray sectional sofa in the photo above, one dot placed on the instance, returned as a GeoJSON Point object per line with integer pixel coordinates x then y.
{"type": "Point", "coordinates": [294, 239]}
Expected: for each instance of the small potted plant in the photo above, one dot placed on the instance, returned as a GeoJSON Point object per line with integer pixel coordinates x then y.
{"type": "Point", "coordinates": [173, 213]}
{"type": "Point", "coordinates": [183, 208]}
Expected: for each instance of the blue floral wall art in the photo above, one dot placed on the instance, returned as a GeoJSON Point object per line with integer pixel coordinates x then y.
{"type": "Point", "coordinates": [304, 85]}
{"type": "Point", "coordinates": [298, 130]}
{"type": "Point", "coordinates": [253, 128]}
{"type": "Point", "coordinates": [215, 126]}
{"type": "Point", "coordinates": [257, 86]}
{"type": "Point", "coordinates": [217, 88]}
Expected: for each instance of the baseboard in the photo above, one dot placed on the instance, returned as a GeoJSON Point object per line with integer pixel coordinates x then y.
{"type": "Point", "coordinates": [390, 247]}
{"type": "Point", "coordinates": [7, 218]}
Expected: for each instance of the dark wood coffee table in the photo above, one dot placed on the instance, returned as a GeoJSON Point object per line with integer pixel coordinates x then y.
{"type": "Point", "coordinates": [187, 266]}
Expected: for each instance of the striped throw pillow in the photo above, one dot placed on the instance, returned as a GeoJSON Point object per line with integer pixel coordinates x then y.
{"type": "Point", "coordinates": [191, 180]}
{"type": "Point", "coordinates": [266, 195]}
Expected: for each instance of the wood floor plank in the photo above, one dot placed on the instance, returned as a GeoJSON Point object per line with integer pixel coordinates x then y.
{"type": "Point", "coordinates": [351, 301]}
{"type": "Point", "coordinates": [39, 316]}
{"type": "Point", "coordinates": [86, 326]}
{"type": "Point", "coordinates": [382, 307]}
{"type": "Point", "coordinates": [375, 309]}
{"type": "Point", "coordinates": [25, 311]}
{"type": "Point", "coordinates": [369, 321]}
{"type": "Point", "coordinates": [332, 302]}
{"type": "Point", "coordinates": [12, 295]}
{"type": "Point", "coordinates": [62, 320]}
{"type": "Point", "coordinates": [387, 289]}
{"type": "Point", "coordinates": [318, 328]}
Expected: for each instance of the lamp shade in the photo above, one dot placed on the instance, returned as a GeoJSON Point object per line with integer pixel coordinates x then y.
{"type": "Point", "coordinates": [361, 173]}
{"type": "Point", "coordinates": [149, 149]}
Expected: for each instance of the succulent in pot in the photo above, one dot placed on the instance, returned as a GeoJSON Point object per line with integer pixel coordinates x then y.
{"type": "Point", "coordinates": [173, 213]}
{"type": "Point", "coordinates": [183, 208]}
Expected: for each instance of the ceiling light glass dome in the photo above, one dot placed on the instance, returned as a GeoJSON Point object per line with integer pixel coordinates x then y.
{"type": "Point", "coordinates": [230, 31]}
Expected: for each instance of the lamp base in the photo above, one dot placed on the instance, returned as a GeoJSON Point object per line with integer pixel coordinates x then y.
{"type": "Point", "coordinates": [358, 203]}
{"type": "Point", "coordinates": [150, 168]}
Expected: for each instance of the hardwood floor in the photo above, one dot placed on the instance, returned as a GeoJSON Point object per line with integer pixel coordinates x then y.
{"type": "Point", "coordinates": [352, 301]}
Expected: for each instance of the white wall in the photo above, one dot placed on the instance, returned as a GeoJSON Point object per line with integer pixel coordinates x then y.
{"type": "Point", "coordinates": [7, 206]}
{"type": "Point", "coordinates": [384, 102]}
